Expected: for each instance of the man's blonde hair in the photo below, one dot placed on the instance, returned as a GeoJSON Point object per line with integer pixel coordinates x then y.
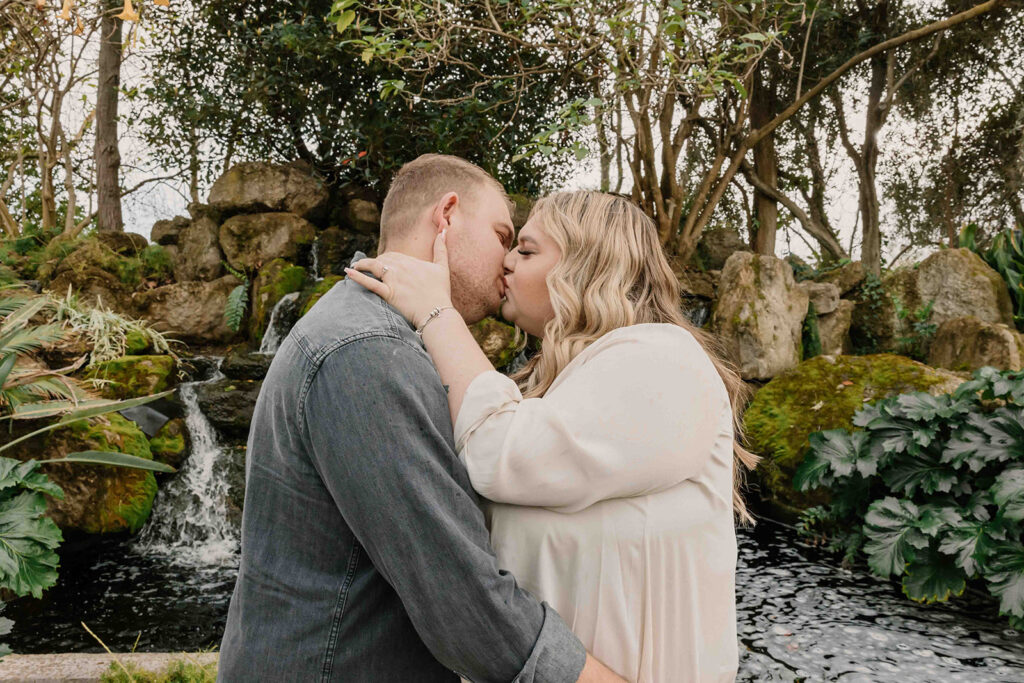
{"type": "Point", "coordinates": [423, 181]}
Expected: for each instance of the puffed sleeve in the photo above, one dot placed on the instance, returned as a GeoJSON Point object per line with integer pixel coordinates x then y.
{"type": "Point", "coordinates": [640, 414]}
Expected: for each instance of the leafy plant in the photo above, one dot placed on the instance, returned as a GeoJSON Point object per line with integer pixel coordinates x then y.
{"type": "Point", "coordinates": [1006, 255]}
{"type": "Point", "coordinates": [915, 344]}
{"type": "Point", "coordinates": [238, 301]}
{"type": "Point", "coordinates": [930, 489]}
{"type": "Point", "coordinates": [811, 334]}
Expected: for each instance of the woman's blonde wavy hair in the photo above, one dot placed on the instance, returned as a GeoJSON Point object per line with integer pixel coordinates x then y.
{"type": "Point", "coordinates": [613, 273]}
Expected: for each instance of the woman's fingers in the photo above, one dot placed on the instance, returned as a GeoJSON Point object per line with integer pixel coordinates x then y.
{"type": "Point", "coordinates": [441, 249]}
{"type": "Point", "coordinates": [375, 286]}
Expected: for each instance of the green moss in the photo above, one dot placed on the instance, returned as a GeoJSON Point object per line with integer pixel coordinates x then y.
{"type": "Point", "coordinates": [168, 444]}
{"type": "Point", "coordinates": [178, 671]}
{"type": "Point", "coordinates": [313, 295]}
{"type": "Point", "coordinates": [132, 376]}
{"type": "Point", "coordinates": [124, 498]}
{"type": "Point", "coordinates": [275, 280]}
{"type": "Point", "coordinates": [816, 395]}
{"type": "Point", "coordinates": [136, 343]}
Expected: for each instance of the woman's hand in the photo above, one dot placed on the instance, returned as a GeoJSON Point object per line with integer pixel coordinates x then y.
{"type": "Point", "coordinates": [412, 286]}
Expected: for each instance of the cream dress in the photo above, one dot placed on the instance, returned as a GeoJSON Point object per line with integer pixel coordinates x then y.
{"type": "Point", "coordinates": [612, 500]}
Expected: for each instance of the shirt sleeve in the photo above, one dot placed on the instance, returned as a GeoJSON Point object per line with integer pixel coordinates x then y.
{"type": "Point", "coordinates": [638, 416]}
{"type": "Point", "coordinates": [377, 419]}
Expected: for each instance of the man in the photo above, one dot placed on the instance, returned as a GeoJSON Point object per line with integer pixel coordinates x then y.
{"type": "Point", "coordinates": [364, 554]}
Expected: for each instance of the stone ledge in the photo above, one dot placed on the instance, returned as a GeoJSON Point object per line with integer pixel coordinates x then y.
{"type": "Point", "coordinates": [85, 667]}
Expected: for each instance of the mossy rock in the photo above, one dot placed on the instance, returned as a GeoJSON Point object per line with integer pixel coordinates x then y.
{"type": "Point", "coordinates": [170, 444]}
{"type": "Point", "coordinates": [136, 343]}
{"type": "Point", "coordinates": [497, 341]}
{"type": "Point", "coordinates": [275, 280]}
{"type": "Point", "coordinates": [313, 294]}
{"type": "Point", "coordinates": [100, 499]}
{"type": "Point", "coordinates": [819, 394]}
{"type": "Point", "coordinates": [132, 376]}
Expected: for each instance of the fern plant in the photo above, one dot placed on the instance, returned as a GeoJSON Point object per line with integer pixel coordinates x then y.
{"type": "Point", "coordinates": [238, 301]}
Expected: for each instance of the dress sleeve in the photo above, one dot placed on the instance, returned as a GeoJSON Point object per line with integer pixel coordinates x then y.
{"type": "Point", "coordinates": [640, 415]}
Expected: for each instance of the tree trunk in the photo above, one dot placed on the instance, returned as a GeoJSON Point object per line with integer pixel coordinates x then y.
{"type": "Point", "coordinates": [871, 237]}
{"type": "Point", "coordinates": [108, 156]}
{"type": "Point", "coordinates": [766, 166]}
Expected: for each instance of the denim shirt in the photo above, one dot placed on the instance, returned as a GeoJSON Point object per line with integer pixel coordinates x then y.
{"type": "Point", "coordinates": [365, 556]}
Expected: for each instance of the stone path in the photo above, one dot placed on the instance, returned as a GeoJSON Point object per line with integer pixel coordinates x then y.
{"type": "Point", "coordinates": [86, 668]}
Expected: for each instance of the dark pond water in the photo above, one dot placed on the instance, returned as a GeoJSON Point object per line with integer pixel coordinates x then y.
{"type": "Point", "coordinates": [800, 617]}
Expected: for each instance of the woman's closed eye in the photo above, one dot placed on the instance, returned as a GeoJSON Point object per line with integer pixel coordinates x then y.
{"type": "Point", "coordinates": [524, 253]}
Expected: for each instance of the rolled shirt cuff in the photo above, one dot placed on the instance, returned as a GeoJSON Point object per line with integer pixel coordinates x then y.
{"type": "Point", "coordinates": [490, 392]}
{"type": "Point", "coordinates": [558, 656]}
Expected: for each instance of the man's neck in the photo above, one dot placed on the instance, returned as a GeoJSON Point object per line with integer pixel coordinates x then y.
{"type": "Point", "coordinates": [418, 247]}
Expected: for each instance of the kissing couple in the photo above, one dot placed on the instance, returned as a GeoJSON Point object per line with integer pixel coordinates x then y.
{"type": "Point", "coordinates": [413, 515]}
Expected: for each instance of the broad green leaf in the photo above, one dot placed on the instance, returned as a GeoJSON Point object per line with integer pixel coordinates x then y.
{"type": "Point", "coordinates": [26, 475]}
{"type": "Point", "coordinates": [933, 577]}
{"type": "Point", "coordinates": [114, 458]}
{"type": "Point", "coordinates": [969, 544]}
{"type": "Point", "coordinates": [893, 537]}
{"type": "Point", "coordinates": [937, 517]}
{"type": "Point", "coordinates": [842, 452]}
{"type": "Point", "coordinates": [346, 19]}
{"type": "Point", "coordinates": [28, 563]}
{"type": "Point", "coordinates": [1008, 493]}
{"type": "Point", "coordinates": [908, 473]}
{"type": "Point", "coordinates": [1005, 574]}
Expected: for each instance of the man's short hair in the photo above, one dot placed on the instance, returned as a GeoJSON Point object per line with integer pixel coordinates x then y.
{"type": "Point", "coordinates": [423, 181]}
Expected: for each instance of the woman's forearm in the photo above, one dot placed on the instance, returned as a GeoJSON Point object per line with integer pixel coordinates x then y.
{"type": "Point", "coordinates": [456, 355]}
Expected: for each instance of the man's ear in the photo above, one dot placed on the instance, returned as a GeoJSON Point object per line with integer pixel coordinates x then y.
{"type": "Point", "coordinates": [443, 210]}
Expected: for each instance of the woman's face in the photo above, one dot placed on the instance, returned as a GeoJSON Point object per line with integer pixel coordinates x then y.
{"type": "Point", "coordinates": [527, 303]}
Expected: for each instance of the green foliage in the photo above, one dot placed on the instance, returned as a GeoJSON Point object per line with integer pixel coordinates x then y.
{"type": "Point", "coordinates": [915, 345]}
{"type": "Point", "coordinates": [811, 334]}
{"type": "Point", "coordinates": [178, 671]}
{"type": "Point", "coordinates": [872, 293]}
{"type": "Point", "coordinates": [238, 301]}
{"type": "Point", "coordinates": [28, 539]}
{"type": "Point", "coordinates": [1005, 255]}
{"type": "Point", "coordinates": [931, 489]}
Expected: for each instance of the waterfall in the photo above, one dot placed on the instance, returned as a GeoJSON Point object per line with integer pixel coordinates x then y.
{"type": "Point", "coordinates": [278, 326]}
{"type": "Point", "coordinates": [316, 260]}
{"type": "Point", "coordinates": [190, 522]}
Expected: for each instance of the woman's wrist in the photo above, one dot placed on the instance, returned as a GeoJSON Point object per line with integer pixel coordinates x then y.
{"type": "Point", "coordinates": [431, 316]}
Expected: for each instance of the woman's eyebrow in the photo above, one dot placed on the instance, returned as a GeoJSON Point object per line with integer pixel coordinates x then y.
{"type": "Point", "coordinates": [526, 238]}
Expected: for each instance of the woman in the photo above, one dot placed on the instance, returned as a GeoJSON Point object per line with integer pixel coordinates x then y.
{"type": "Point", "coordinates": [609, 459]}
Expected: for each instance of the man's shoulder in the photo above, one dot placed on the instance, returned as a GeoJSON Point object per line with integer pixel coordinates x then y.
{"type": "Point", "coordinates": [345, 314]}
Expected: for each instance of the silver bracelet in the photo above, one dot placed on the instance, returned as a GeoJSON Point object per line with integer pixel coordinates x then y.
{"type": "Point", "coordinates": [433, 314]}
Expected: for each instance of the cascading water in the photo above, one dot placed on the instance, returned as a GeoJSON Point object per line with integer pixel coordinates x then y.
{"type": "Point", "coordinates": [281, 319]}
{"type": "Point", "coordinates": [316, 260]}
{"type": "Point", "coordinates": [191, 522]}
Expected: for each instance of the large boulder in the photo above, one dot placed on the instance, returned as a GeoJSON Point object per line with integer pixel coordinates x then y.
{"type": "Point", "coordinates": [819, 394]}
{"type": "Point", "coordinates": [716, 246]}
{"type": "Point", "coordinates": [335, 248]}
{"type": "Point", "coordinates": [362, 216]}
{"type": "Point", "coordinates": [966, 344]}
{"type": "Point", "coordinates": [242, 364]}
{"type": "Point", "coordinates": [759, 315]}
{"type": "Point", "coordinates": [275, 280]}
{"type": "Point", "coordinates": [198, 256]}
{"type": "Point", "coordinates": [257, 187]}
{"type": "Point", "coordinates": [129, 243]}
{"type": "Point", "coordinates": [229, 404]}
{"type": "Point", "coordinates": [824, 295]}
{"type": "Point", "coordinates": [834, 329]}
{"type": "Point", "coordinates": [846, 277]}
{"type": "Point", "coordinates": [97, 273]}
{"type": "Point", "coordinates": [189, 311]}
{"type": "Point", "coordinates": [99, 499]}
{"type": "Point", "coordinates": [132, 376]}
{"type": "Point", "coordinates": [249, 241]}
{"type": "Point", "coordinates": [956, 283]}
{"type": "Point", "coordinates": [170, 445]}
{"type": "Point", "coordinates": [166, 232]}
